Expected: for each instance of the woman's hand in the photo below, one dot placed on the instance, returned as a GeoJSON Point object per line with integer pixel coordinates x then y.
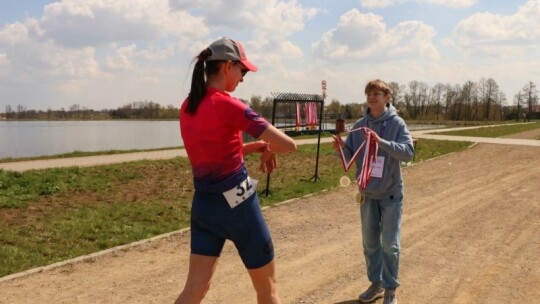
{"type": "Point", "coordinates": [268, 160]}
{"type": "Point", "coordinates": [254, 147]}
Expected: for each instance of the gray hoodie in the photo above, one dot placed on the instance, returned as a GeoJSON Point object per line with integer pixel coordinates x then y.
{"type": "Point", "coordinates": [396, 146]}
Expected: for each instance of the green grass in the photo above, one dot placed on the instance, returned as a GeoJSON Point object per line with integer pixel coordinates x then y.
{"type": "Point", "coordinates": [19, 189]}
{"type": "Point", "coordinates": [52, 215]}
{"type": "Point", "coordinates": [430, 148]}
{"type": "Point", "coordinates": [497, 131]}
{"type": "Point", "coordinates": [455, 123]}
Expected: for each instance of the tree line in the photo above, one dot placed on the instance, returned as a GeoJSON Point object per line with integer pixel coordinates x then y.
{"type": "Point", "coordinates": [474, 101]}
{"type": "Point", "coordinates": [470, 101]}
{"type": "Point", "coordinates": [135, 110]}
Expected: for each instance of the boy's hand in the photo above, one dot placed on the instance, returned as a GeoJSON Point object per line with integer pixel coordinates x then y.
{"type": "Point", "coordinates": [374, 135]}
{"type": "Point", "coordinates": [337, 142]}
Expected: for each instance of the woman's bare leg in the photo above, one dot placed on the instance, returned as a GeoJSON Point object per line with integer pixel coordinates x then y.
{"type": "Point", "coordinates": [264, 281]}
{"type": "Point", "coordinates": [201, 269]}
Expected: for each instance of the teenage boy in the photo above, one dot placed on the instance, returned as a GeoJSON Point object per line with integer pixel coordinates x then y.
{"type": "Point", "coordinates": [381, 201]}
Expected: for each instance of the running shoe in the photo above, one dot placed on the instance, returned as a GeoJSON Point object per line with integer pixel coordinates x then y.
{"type": "Point", "coordinates": [374, 292]}
{"type": "Point", "coordinates": [390, 296]}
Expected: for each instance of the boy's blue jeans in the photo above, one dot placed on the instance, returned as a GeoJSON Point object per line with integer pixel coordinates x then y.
{"type": "Point", "coordinates": [381, 231]}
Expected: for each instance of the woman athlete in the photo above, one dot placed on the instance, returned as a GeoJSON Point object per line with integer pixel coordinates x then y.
{"type": "Point", "coordinates": [225, 203]}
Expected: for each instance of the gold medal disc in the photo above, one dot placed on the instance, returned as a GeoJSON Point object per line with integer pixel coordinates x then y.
{"type": "Point", "coordinates": [360, 198]}
{"type": "Point", "coordinates": [344, 181]}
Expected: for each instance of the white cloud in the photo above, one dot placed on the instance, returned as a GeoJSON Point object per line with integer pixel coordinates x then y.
{"type": "Point", "coordinates": [30, 59]}
{"type": "Point", "coordinates": [447, 3]}
{"type": "Point", "coordinates": [356, 35]}
{"type": "Point", "coordinates": [155, 53]}
{"type": "Point", "coordinates": [122, 60]}
{"type": "Point", "coordinates": [500, 34]}
{"type": "Point", "coordinates": [412, 39]}
{"type": "Point", "coordinates": [72, 63]}
{"type": "Point", "coordinates": [264, 27]}
{"type": "Point", "coordinates": [105, 53]}
{"type": "Point", "coordinates": [13, 33]}
{"type": "Point", "coordinates": [365, 36]}
{"type": "Point", "coordinates": [73, 23]}
{"type": "Point", "coordinates": [3, 62]}
{"type": "Point", "coordinates": [269, 18]}
{"type": "Point", "coordinates": [289, 50]}
{"type": "Point", "coordinates": [76, 44]}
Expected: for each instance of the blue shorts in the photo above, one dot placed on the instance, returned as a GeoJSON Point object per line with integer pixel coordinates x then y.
{"type": "Point", "coordinates": [213, 221]}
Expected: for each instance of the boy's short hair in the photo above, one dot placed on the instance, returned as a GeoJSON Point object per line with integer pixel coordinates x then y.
{"type": "Point", "coordinates": [378, 85]}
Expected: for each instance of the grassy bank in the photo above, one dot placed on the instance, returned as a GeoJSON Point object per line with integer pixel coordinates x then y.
{"type": "Point", "coordinates": [52, 215]}
{"type": "Point", "coordinates": [497, 131]}
{"type": "Point", "coordinates": [80, 154]}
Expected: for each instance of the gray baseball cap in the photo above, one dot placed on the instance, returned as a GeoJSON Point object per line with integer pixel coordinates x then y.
{"type": "Point", "coordinates": [228, 49]}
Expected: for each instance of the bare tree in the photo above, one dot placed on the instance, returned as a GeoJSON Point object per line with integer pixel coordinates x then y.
{"type": "Point", "coordinates": [518, 99]}
{"type": "Point", "coordinates": [423, 99]}
{"type": "Point", "coordinates": [256, 103]}
{"type": "Point", "coordinates": [454, 102]}
{"type": "Point", "coordinates": [502, 103]}
{"type": "Point", "coordinates": [412, 99]}
{"type": "Point", "coordinates": [267, 107]}
{"type": "Point", "coordinates": [21, 111]}
{"type": "Point", "coordinates": [437, 94]}
{"type": "Point", "coordinates": [530, 95]}
{"type": "Point", "coordinates": [490, 93]}
{"type": "Point", "coordinates": [396, 92]}
{"type": "Point", "coordinates": [333, 109]}
{"type": "Point", "coordinates": [9, 112]}
{"type": "Point", "coordinates": [469, 100]}
{"type": "Point", "coordinates": [74, 111]}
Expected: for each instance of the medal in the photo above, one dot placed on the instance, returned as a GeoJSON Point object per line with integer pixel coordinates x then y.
{"type": "Point", "coordinates": [360, 198]}
{"type": "Point", "coordinates": [344, 181]}
{"type": "Point", "coordinates": [370, 157]}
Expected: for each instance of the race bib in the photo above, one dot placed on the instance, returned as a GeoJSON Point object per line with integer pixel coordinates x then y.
{"type": "Point", "coordinates": [378, 167]}
{"type": "Point", "coordinates": [240, 193]}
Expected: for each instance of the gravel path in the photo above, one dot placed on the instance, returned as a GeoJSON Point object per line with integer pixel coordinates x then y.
{"type": "Point", "coordinates": [471, 234]}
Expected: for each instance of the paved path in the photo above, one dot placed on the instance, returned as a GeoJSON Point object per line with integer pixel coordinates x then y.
{"type": "Point", "coordinates": [89, 161]}
{"type": "Point", "coordinates": [488, 140]}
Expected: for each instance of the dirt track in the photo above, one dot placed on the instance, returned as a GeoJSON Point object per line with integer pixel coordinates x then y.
{"type": "Point", "coordinates": [471, 234]}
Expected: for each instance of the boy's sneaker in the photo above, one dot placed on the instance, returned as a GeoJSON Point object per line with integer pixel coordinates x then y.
{"type": "Point", "coordinates": [374, 292]}
{"type": "Point", "coordinates": [390, 296]}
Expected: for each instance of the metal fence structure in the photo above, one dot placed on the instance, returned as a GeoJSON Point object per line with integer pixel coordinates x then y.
{"type": "Point", "coordinates": [293, 99]}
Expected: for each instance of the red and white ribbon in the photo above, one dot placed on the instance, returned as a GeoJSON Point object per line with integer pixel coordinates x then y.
{"type": "Point", "coordinates": [370, 158]}
{"type": "Point", "coordinates": [311, 113]}
{"type": "Point", "coordinates": [298, 117]}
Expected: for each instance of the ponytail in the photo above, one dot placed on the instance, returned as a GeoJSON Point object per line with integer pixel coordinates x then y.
{"type": "Point", "coordinates": [198, 82]}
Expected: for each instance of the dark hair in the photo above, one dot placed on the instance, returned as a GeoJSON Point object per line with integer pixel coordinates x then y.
{"type": "Point", "coordinates": [198, 82]}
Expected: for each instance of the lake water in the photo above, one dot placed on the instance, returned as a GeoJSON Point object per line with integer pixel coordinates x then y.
{"type": "Point", "coordinates": [37, 138]}
{"type": "Point", "coordinates": [40, 138]}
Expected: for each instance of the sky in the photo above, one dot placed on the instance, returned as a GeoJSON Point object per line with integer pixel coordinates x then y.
{"type": "Point", "coordinates": [104, 54]}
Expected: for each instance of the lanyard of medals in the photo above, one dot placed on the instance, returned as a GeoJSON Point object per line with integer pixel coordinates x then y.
{"type": "Point", "coordinates": [370, 157]}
